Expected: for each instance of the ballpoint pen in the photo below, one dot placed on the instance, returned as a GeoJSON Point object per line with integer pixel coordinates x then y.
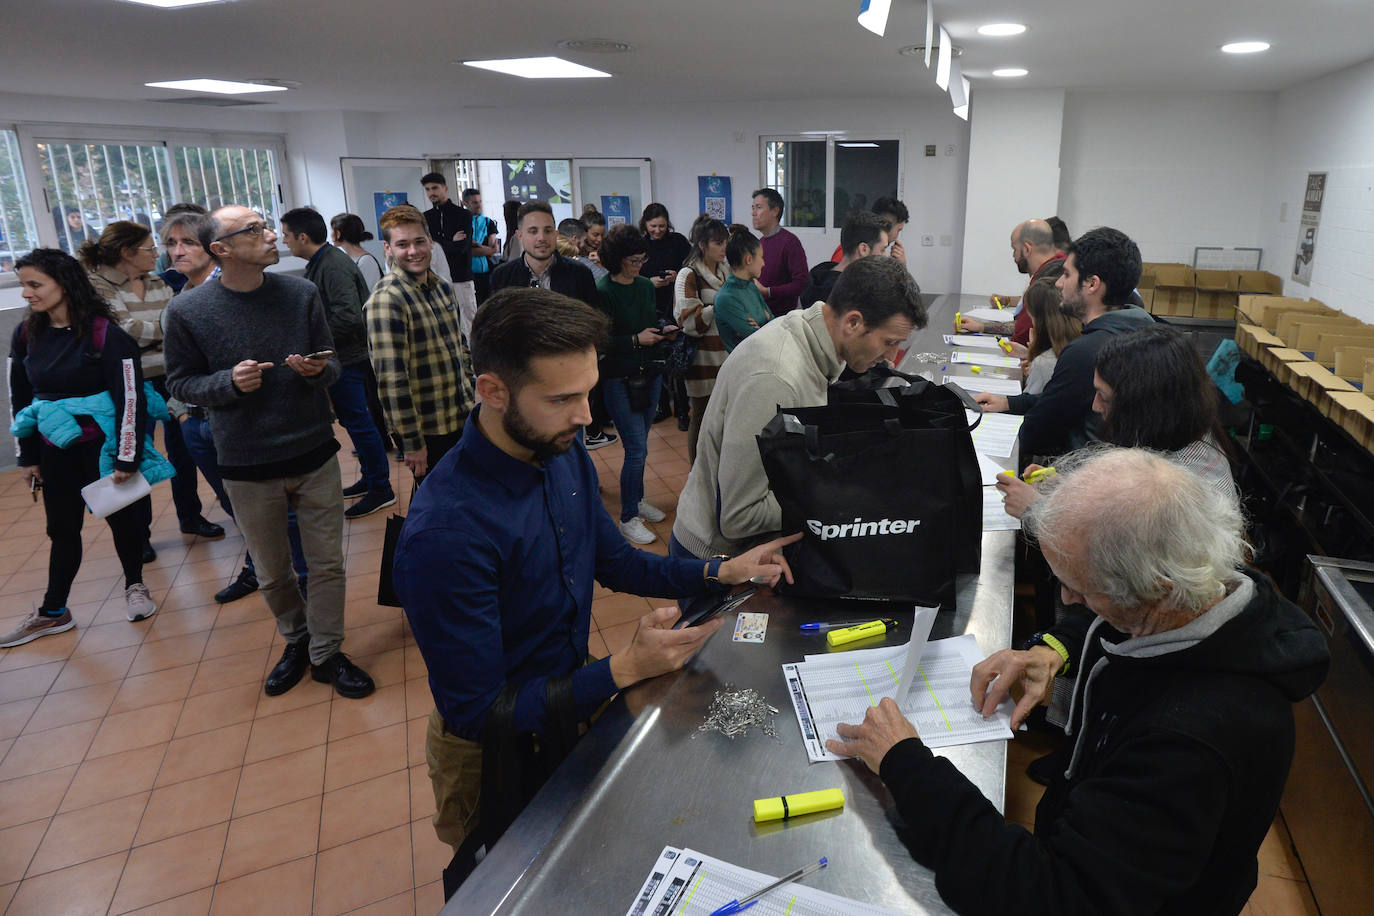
{"type": "Point", "coordinates": [744, 903]}
{"type": "Point", "coordinates": [822, 626]}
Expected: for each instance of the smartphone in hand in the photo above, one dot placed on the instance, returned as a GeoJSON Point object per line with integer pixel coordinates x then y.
{"type": "Point", "coordinates": [320, 354]}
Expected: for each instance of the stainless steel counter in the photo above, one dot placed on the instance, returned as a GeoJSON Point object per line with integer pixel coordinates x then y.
{"type": "Point", "coordinates": [644, 777]}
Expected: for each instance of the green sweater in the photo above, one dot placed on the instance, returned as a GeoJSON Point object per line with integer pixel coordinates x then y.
{"type": "Point", "coordinates": [737, 302]}
{"type": "Point", "coordinates": [631, 309]}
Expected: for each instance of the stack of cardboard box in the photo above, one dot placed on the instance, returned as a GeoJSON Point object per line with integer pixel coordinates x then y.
{"type": "Point", "coordinates": [1177, 290]}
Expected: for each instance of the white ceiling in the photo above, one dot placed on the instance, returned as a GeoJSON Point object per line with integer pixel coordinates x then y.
{"type": "Point", "coordinates": [380, 55]}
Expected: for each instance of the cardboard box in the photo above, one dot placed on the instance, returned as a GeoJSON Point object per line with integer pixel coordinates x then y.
{"type": "Point", "coordinates": [1354, 412]}
{"type": "Point", "coordinates": [1318, 383]}
{"type": "Point", "coordinates": [1148, 297]}
{"type": "Point", "coordinates": [1287, 327]}
{"type": "Point", "coordinates": [1215, 304]}
{"type": "Point", "coordinates": [1265, 310]}
{"type": "Point", "coordinates": [1166, 274]}
{"type": "Point", "coordinates": [1228, 280]}
{"type": "Point", "coordinates": [1349, 361]}
{"type": "Point", "coordinates": [1174, 300]}
{"type": "Point", "coordinates": [1368, 374]}
{"type": "Point", "coordinates": [1295, 375]}
{"type": "Point", "coordinates": [1273, 358]}
{"type": "Point", "coordinates": [1253, 339]}
{"type": "Point", "coordinates": [1329, 339]}
{"type": "Point", "coordinates": [1259, 281]}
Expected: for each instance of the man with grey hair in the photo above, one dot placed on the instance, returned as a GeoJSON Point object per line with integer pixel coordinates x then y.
{"type": "Point", "coordinates": [1182, 720]}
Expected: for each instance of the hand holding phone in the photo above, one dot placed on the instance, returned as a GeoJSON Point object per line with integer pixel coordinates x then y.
{"type": "Point", "coordinates": [320, 354]}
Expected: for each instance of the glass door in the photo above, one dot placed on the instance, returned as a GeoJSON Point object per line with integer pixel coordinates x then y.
{"type": "Point", "coordinates": [620, 188]}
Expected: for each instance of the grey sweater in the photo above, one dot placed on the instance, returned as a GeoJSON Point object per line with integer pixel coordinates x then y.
{"type": "Point", "coordinates": [727, 506]}
{"type": "Point", "coordinates": [211, 329]}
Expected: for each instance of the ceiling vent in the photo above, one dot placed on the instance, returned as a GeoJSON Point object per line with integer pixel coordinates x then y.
{"type": "Point", "coordinates": [596, 45]}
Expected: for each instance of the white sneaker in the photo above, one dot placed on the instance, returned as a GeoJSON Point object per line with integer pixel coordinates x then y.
{"type": "Point", "coordinates": [140, 603]}
{"type": "Point", "coordinates": [650, 512]}
{"type": "Point", "coordinates": [636, 533]}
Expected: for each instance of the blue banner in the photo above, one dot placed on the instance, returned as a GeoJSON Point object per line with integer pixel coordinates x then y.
{"type": "Point", "coordinates": [383, 201]}
{"type": "Point", "coordinates": [616, 209]}
{"type": "Point", "coordinates": [713, 192]}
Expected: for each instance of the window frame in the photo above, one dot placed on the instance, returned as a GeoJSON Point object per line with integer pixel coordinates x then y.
{"type": "Point", "coordinates": [830, 138]}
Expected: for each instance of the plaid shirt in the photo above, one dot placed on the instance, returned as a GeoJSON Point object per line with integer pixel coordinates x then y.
{"type": "Point", "coordinates": [419, 356]}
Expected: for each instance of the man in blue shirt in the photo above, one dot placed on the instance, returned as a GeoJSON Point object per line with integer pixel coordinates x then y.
{"type": "Point", "coordinates": [496, 564]}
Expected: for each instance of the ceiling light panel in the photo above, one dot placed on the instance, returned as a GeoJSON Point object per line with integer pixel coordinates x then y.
{"type": "Point", "coordinates": [1245, 47]}
{"type": "Point", "coordinates": [221, 87]}
{"type": "Point", "coordinates": [173, 4]}
{"type": "Point", "coordinates": [538, 68]}
{"type": "Point", "coordinates": [1010, 72]}
{"type": "Point", "coordinates": [1001, 29]}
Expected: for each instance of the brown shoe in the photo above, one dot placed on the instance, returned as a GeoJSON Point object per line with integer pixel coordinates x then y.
{"type": "Point", "coordinates": [38, 624]}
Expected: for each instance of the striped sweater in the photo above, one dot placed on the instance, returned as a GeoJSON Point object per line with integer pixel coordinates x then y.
{"type": "Point", "coordinates": [140, 317]}
{"type": "Point", "coordinates": [694, 293]}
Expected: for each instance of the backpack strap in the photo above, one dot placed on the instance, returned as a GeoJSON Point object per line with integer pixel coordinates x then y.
{"type": "Point", "coordinates": [100, 325]}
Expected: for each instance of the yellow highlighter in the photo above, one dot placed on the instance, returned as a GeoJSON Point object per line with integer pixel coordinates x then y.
{"type": "Point", "coordinates": [1039, 474]}
{"type": "Point", "coordinates": [1004, 344]}
{"type": "Point", "coordinates": [862, 631]}
{"type": "Point", "coordinates": [784, 806]}
{"type": "Point", "coordinates": [997, 302]}
{"type": "Point", "coordinates": [958, 317]}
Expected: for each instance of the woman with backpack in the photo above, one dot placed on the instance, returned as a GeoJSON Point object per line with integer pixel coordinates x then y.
{"type": "Point", "coordinates": [71, 347]}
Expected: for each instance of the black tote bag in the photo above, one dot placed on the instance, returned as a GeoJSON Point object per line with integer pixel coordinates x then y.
{"type": "Point", "coordinates": [884, 484]}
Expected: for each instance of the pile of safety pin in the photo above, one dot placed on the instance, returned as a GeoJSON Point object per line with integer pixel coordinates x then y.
{"type": "Point", "coordinates": [734, 712]}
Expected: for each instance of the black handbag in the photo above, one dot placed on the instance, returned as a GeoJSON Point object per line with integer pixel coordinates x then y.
{"type": "Point", "coordinates": [386, 586]}
{"type": "Point", "coordinates": [884, 483]}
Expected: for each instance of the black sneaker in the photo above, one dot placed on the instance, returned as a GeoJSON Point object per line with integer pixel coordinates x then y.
{"type": "Point", "coordinates": [288, 672]}
{"type": "Point", "coordinates": [348, 679]}
{"type": "Point", "coordinates": [358, 489]}
{"type": "Point", "coordinates": [370, 503]}
{"type": "Point", "coordinates": [601, 440]}
{"type": "Point", "coordinates": [202, 527]}
{"type": "Point", "coordinates": [149, 554]}
{"type": "Point", "coordinates": [684, 422]}
{"type": "Point", "coordinates": [244, 585]}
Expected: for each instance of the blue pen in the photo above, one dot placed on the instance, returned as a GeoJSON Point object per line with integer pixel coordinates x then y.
{"type": "Point", "coordinates": [821, 627]}
{"type": "Point", "coordinates": [744, 903]}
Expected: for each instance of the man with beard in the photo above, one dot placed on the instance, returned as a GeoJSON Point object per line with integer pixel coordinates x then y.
{"type": "Point", "coordinates": [1034, 251]}
{"type": "Point", "coordinates": [416, 345]}
{"type": "Point", "coordinates": [496, 564]}
{"type": "Point", "coordinates": [1100, 274]}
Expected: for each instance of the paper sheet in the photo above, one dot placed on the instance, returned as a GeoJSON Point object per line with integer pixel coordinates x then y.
{"type": "Point", "coordinates": [988, 469]}
{"type": "Point", "coordinates": [979, 358]}
{"type": "Point", "coordinates": [920, 633]}
{"type": "Point", "coordinates": [974, 341]}
{"type": "Point", "coordinates": [684, 882]}
{"type": "Point", "coordinates": [840, 686]}
{"type": "Point", "coordinates": [985, 383]}
{"type": "Point", "coordinates": [996, 434]}
{"type": "Point", "coordinates": [991, 314]}
{"type": "Point", "coordinates": [995, 517]}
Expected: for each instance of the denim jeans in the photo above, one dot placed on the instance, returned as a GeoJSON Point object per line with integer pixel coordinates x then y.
{"type": "Point", "coordinates": [349, 396]}
{"type": "Point", "coordinates": [633, 427]}
{"type": "Point", "coordinates": [196, 433]}
{"type": "Point", "coordinates": [184, 484]}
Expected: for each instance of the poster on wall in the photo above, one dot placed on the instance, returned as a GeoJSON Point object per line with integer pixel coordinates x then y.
{"type": "Point", "coordinates": [1307, 227]}
{"type": "Point", "coordinates": [383, 201]}
{"type": "Point", "coordinates": [549, 180]}
{"type": "Point", "coordinates": [616, 209]}
{"type": "Point", "coordinates": [713, 193]}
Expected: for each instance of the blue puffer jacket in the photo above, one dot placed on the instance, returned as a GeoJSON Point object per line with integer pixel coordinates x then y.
{"type": "Point", "coordinates": [56, 422]}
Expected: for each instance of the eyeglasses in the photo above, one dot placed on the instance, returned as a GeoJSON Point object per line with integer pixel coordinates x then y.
{"type": "Point", "coordinates": [152, 247]}
{"type": "Point", "coordinates": [637, 260]}
{"type": "Point", "coordinates": [256, 230]}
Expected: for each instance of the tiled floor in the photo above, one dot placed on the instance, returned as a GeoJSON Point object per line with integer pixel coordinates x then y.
{"type": "Point", "coordinates": [142, 768]}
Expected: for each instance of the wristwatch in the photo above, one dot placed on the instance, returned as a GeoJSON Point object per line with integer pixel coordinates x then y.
{"type": "Point", "coordinates": [1045, 638]}
{"type": "Point", "coordinates": [711, 572]}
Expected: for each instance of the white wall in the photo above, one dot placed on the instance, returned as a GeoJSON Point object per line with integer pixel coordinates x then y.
{"type": "Point", "coordinates": [1326, 125]}
{"type": "Point", "coordinates": [1172, 170]}
{"type": "Point", "coordinates": [722, 138]}
{"type": "Point", "coordinates": [1013, 175]}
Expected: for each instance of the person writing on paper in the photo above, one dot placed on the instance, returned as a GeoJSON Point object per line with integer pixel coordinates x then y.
{"type": "Point", "coordinates": [1135, 374]}
{"type": "Point", "coordinates": [1182, 725]}
{"type": "Point", "coordinates": [71, 345]}
{"type": "Point", "coordinates": [727, 505]}
{"type": "Point", "coordinates": [1100, 273]}
{"type": "Point", "coordinates": [497, 561]}
{"type": "Point", "coordinates": [1034, 252]}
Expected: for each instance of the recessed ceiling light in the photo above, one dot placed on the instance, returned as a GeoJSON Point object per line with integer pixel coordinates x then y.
{"type": "Point", "coordinates": [537, 68]}
{"type": "Point", "coordinates": [1001, 29]}
{"type": "Point", "coordinates": [173, 4]}
{"type": "Point", "coordinates": [1245, 47]}
{"type": "Point", "coordinates": [1010, 72]}
{"type": "Point", "coordinates": [223, 87]}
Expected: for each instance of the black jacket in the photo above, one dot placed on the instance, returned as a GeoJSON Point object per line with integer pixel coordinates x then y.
{"type": "Point", "coordinates": [824, 276]}
{"type": "Point", "coordinates": [566, 276]}
{"type": "Point", "coordinates": [1060, 418]}
{"type": "Point", "coordinates": [1177, 763]}
{"type": "Point", "coordinates": [444, 222]}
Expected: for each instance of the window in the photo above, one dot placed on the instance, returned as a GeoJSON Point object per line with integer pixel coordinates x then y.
{"type": "Point", "coordinates": [214, 176]}
{"type": "Point", "coordinates": [18, 232]}
{"type": "Point", "coordinates": [90, 185]}
{"type": "Point", "coordinates": [822, 181]}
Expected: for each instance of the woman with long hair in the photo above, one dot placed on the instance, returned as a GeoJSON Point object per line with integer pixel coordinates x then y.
{"type": "Point", "coordinates": [513, 248]}
{"type": "Point", "coordinates": [631, 371]}
{"type": "Point", "coordinates": [701, 277]}
{"type": "Point", "coordinates": [1051, 331]}
{"type": "Point", "coordinates": [70, 346]}
{"type": "Point", "coordinates": [349, 234]}
{"type": "Point", "coordinates": [666, 250]}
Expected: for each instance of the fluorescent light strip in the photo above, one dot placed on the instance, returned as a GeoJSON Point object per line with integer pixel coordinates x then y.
{"type": "Point", "coordinates": [1001, 29]}
{"type": "Point", "coordinates": [537, 68]}
{"type": "Point", "coordinates": [873, 15]}
{"type": "Point", "coordinates": [173, 4]}
{"type": "Point", "coordinates": [1010, 72]}
{"type": "Point", "coordinates": [858, 145]}
{"type": "Point", "coordinates": [1245, 47]}
{"type": "Point", "coordinates": [221, 87]}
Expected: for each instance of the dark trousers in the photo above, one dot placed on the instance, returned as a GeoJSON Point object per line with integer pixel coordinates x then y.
{"type": "Point", "coordinates": [481, 284]}
{"type": "Point", "coordinates": [349, 396]}
{"type": "Point", "coordinates": [65, 471]}
{"type": "Point", "coordinates": [436, 447]}
{"type": "Point", "coordinates": [601, 417]}
{"type": "Point", "coordinates": [201, 445]}
{"type": "Point", "coordinates": [184, 485]}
